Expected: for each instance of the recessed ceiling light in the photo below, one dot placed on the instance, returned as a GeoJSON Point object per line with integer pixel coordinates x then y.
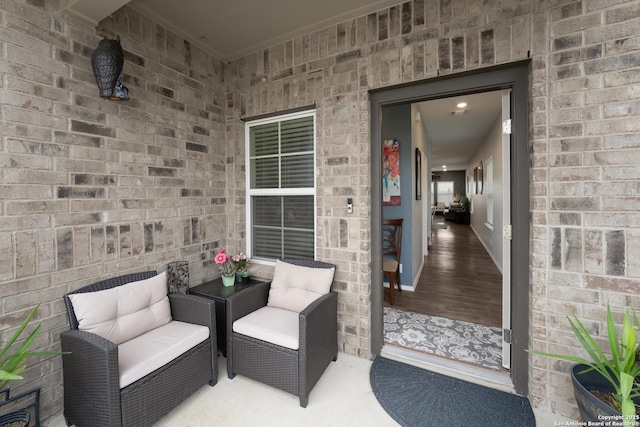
{"type": "Point", "coordinates": [444, 166]}
{"type": "Point", "coordinates": [461, 104]}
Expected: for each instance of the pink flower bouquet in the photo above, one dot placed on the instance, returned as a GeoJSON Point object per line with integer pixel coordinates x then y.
{"type": "Point", "coordinates": [225, 264]}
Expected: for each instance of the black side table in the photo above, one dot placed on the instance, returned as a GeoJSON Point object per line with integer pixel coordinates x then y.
{"type": "Point", "coordinates": [216, 291]}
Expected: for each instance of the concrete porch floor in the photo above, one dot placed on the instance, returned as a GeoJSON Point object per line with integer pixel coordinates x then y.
{"type": "Point", "coordinates": [342, 397]}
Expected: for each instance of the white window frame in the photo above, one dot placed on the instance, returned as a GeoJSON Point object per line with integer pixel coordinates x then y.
{"type": "Point", "coordinates": [306, 191]}
{"type": "Point", "coordinates": [447, 195]}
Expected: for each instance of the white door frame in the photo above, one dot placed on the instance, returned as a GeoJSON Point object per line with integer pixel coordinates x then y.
{"type": "Point", "coordinates": [506, 233]}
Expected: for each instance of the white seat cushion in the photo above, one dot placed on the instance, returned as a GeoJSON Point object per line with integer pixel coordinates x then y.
{"type": "Point", "coordinates": [294, 287]}
{"type": "Point", "coordinates": [271, 324]}
{"type": "Point", "coordinates": [146, 353]}
{"type": "Point", "coordinates": [124, 312]}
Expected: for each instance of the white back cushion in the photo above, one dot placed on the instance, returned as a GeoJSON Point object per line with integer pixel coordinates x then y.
{"type": "Point", "coordinates": [295, 287]}
{"type": "Point", "coordinates": [124, 312]}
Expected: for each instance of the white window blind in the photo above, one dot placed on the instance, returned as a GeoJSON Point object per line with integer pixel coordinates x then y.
{"type": "Point", "coordinates": [281, 193]}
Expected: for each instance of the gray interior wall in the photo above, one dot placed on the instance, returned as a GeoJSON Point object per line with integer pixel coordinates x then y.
{"type": "Point", "coordinates": [491, 237]}
{"type": "Point", "coordinates": [396, 123]}
{"type": "Point", "coordinates": [420, 213]}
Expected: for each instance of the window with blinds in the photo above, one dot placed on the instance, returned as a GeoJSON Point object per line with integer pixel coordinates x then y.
{"type": "Point", "coordinates": [281, 187]}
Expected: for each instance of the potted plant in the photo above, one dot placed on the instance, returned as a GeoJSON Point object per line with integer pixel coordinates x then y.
{"type": "Point", "coordinates": [12, 365]}
{"type": "Point", "coordinates": [612, 378]}
{"type": "Point", "coordinates": [226, 266]}
{"type": "Point", "coordinates": [241, 261]}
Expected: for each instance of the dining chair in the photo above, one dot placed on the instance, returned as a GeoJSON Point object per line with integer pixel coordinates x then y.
{"type": "Point", "coordinates": [391, 249]}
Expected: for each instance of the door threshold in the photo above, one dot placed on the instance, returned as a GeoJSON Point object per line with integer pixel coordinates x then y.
{"type": "Point", "coordinates": [453, 368]}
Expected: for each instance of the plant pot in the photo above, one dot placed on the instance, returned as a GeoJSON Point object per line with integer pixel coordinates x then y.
{"type": "Point", "coordinates": [229, 280]}
{"type": "Point", "coordinates": [246, 278]}
{"type": "Point", "coordinates": [590, 407]}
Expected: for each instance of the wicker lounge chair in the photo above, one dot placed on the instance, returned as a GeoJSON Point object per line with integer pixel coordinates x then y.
{"type": "Point", "coordinates": [294, 370]}
{"type": "Point", "coordinates": [92, 393]}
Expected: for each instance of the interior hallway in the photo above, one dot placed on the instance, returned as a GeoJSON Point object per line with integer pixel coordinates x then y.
{"type": "Point", "coordinates": [459, 279]}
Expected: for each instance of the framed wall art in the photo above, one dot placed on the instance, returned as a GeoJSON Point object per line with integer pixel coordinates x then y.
{"type": "Point", "coordinates": [480, 177]}
{"type": "Point", "coordinates": [418, 174]}
{"type": "Point", "coordinates": [391, 172]}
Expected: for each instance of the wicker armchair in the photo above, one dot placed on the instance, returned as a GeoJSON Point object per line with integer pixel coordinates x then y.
{"type": "Point", "coordinates": [92, 393]}
{"type": "Point", "coordinates": [295, 371]}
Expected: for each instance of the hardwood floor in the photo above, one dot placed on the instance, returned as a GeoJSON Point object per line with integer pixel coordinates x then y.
{"type": "Point", "coordinates": [459, 280]}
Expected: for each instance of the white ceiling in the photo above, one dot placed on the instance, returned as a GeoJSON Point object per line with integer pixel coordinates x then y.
{"type": "Point", "coordinates": [234, 28]}
{"type": "Point", "coordinates": [456, 138]}
{"type": "Point", "coordinates": [230, 29]}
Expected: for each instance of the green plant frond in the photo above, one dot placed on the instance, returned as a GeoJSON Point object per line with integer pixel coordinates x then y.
{"type": "Point", "coordinates": [635, 317]}
{"type": "Point", "coordinates": [622, 368]}
{"type": "Point", "coordinates": [32, 336]}
{"type": "Point", "coordinates": [12, 360]}
{"type": "Point", "coordinates": [19, 331]}
{"type": "Point", "coordinates": [613, 335]}
{"type": "Point", "coordinates": [627, 405]}
{"type": "Point", "coordinates": [626, 385]}
{"type": "Point", "coordinates": [588, 343]}
{"type": "Point", "coordinates": [628, 332]}
{"type": "Point", "coordinates": [625, 355]}
{"type": "Point", "coordinates": [46, 353]}
{"type": "Point", "coordinates": [6, 376]}
{"type": "Point", "coordinates": [560, 357]}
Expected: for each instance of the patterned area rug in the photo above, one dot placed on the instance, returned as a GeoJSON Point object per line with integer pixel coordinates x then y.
{"type": "Point", "coordinates": [456, 339]}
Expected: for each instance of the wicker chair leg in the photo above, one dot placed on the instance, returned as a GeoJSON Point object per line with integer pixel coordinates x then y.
{"type": "Point", "coordinates": [304, 401]}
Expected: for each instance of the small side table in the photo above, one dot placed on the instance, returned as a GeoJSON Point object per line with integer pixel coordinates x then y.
{"type": "Point", "coordinates": [216, 291]}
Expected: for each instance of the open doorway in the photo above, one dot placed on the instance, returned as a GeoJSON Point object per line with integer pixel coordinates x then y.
{"type": "Point", "coordinates": [454, 308]}
{"type": "Point", "coordinates": [513, 79]}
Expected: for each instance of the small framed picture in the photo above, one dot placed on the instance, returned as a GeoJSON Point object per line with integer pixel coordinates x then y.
{"type": "Point", "coordinates": [418, 174]}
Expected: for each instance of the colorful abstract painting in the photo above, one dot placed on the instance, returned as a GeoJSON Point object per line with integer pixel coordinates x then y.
{"type": "Point", "coordinates": [391, 172]}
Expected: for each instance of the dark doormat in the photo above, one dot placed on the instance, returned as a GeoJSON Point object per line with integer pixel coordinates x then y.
{"type": "Point", "coordinates": [415, 397]}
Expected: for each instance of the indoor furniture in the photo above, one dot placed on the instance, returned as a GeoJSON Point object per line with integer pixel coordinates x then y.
{"type": "Point", "coordinates": [285, 333]}
{"type": "Point", "coordinates": [458, 214]}
{"type": "Point", "coordinates": [220, 294]}
{"type": "Point", "coordinates": [135, 352]}
{"type": "Point", "coordinates": [440, 207]}
{"type": "Point", "coordinates": [391, 251]}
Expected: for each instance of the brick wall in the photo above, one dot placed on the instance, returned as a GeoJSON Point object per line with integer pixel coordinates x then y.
{"type": "Point", "coordinates": [583, 138]}
{"type": "Point", "coordinates": [91, 187]}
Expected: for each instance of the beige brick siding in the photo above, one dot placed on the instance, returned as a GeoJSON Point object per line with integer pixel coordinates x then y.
{"type": "Point", "coordinates": [91, 188]}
